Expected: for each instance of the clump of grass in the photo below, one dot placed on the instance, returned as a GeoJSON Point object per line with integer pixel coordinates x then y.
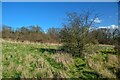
{"type": "Point", "coordinates": [100, 62]}
{"type": "Point", "coordinates": [55, 64]}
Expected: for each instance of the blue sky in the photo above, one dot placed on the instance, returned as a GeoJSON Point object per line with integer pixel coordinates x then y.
{"type": "Point", "coordinates": [52, 14]}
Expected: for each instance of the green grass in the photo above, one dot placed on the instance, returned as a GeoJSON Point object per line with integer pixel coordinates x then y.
{"type": "Point", "coordinates": [40, 61]}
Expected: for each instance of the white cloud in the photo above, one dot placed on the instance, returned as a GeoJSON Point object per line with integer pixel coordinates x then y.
{"type": "Point", "coordinates": [102, 27]}
{"type": "Point", "coordinates": [110, 27]}
{"type": "Point", "coordinates": [114, 26]}
{"type": "Point", "coordinates": [97, 20]}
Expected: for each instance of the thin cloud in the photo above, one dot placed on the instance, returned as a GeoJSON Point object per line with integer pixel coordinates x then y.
{"type": "Point", "coordinates": [97, 20]}
{"type": "Point", "coordinates": [110, 16]}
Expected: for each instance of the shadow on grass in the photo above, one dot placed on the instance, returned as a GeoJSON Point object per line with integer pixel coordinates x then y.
{"type": "Point", "coordinates": [49, 50]}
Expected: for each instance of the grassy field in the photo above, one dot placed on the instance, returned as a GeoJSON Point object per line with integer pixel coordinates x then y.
{"type": "Point", "coordinates": [28, 60]}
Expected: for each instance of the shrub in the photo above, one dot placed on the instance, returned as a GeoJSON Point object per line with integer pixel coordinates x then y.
{"type": "Point", "coordinates": [74, 34]}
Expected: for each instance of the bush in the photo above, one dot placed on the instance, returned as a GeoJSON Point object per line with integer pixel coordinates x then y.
{"type": "Point", "coordinates": [72, 42]}
{"type": "Point", "coordinates": [74, 34]}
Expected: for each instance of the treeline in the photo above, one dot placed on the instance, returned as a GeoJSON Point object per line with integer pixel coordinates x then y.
{"type": "Point", "coordinates": [36, 34]}
{"type": "Point", "coordinates": [30, 33]}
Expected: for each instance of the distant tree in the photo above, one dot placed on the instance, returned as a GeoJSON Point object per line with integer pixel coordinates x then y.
{"type": "Point", "coordinates": [116, 33]}
{"type": "Point", "coordinates": [102, 36]}
{"type": "Point", "coordinates": [7, 32]}
{"type": "Point", "coordinates": [35, 28]}
{"type": "Point", "coordinates": [22, 34]}
{"type": "Point", "coordinates": [116, 37]}
{"type": "Point", "coordinates": [53, 34]}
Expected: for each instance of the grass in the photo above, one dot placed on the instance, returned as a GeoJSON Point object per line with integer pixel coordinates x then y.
{"type": "Point", "coordinates": [26, 60]}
